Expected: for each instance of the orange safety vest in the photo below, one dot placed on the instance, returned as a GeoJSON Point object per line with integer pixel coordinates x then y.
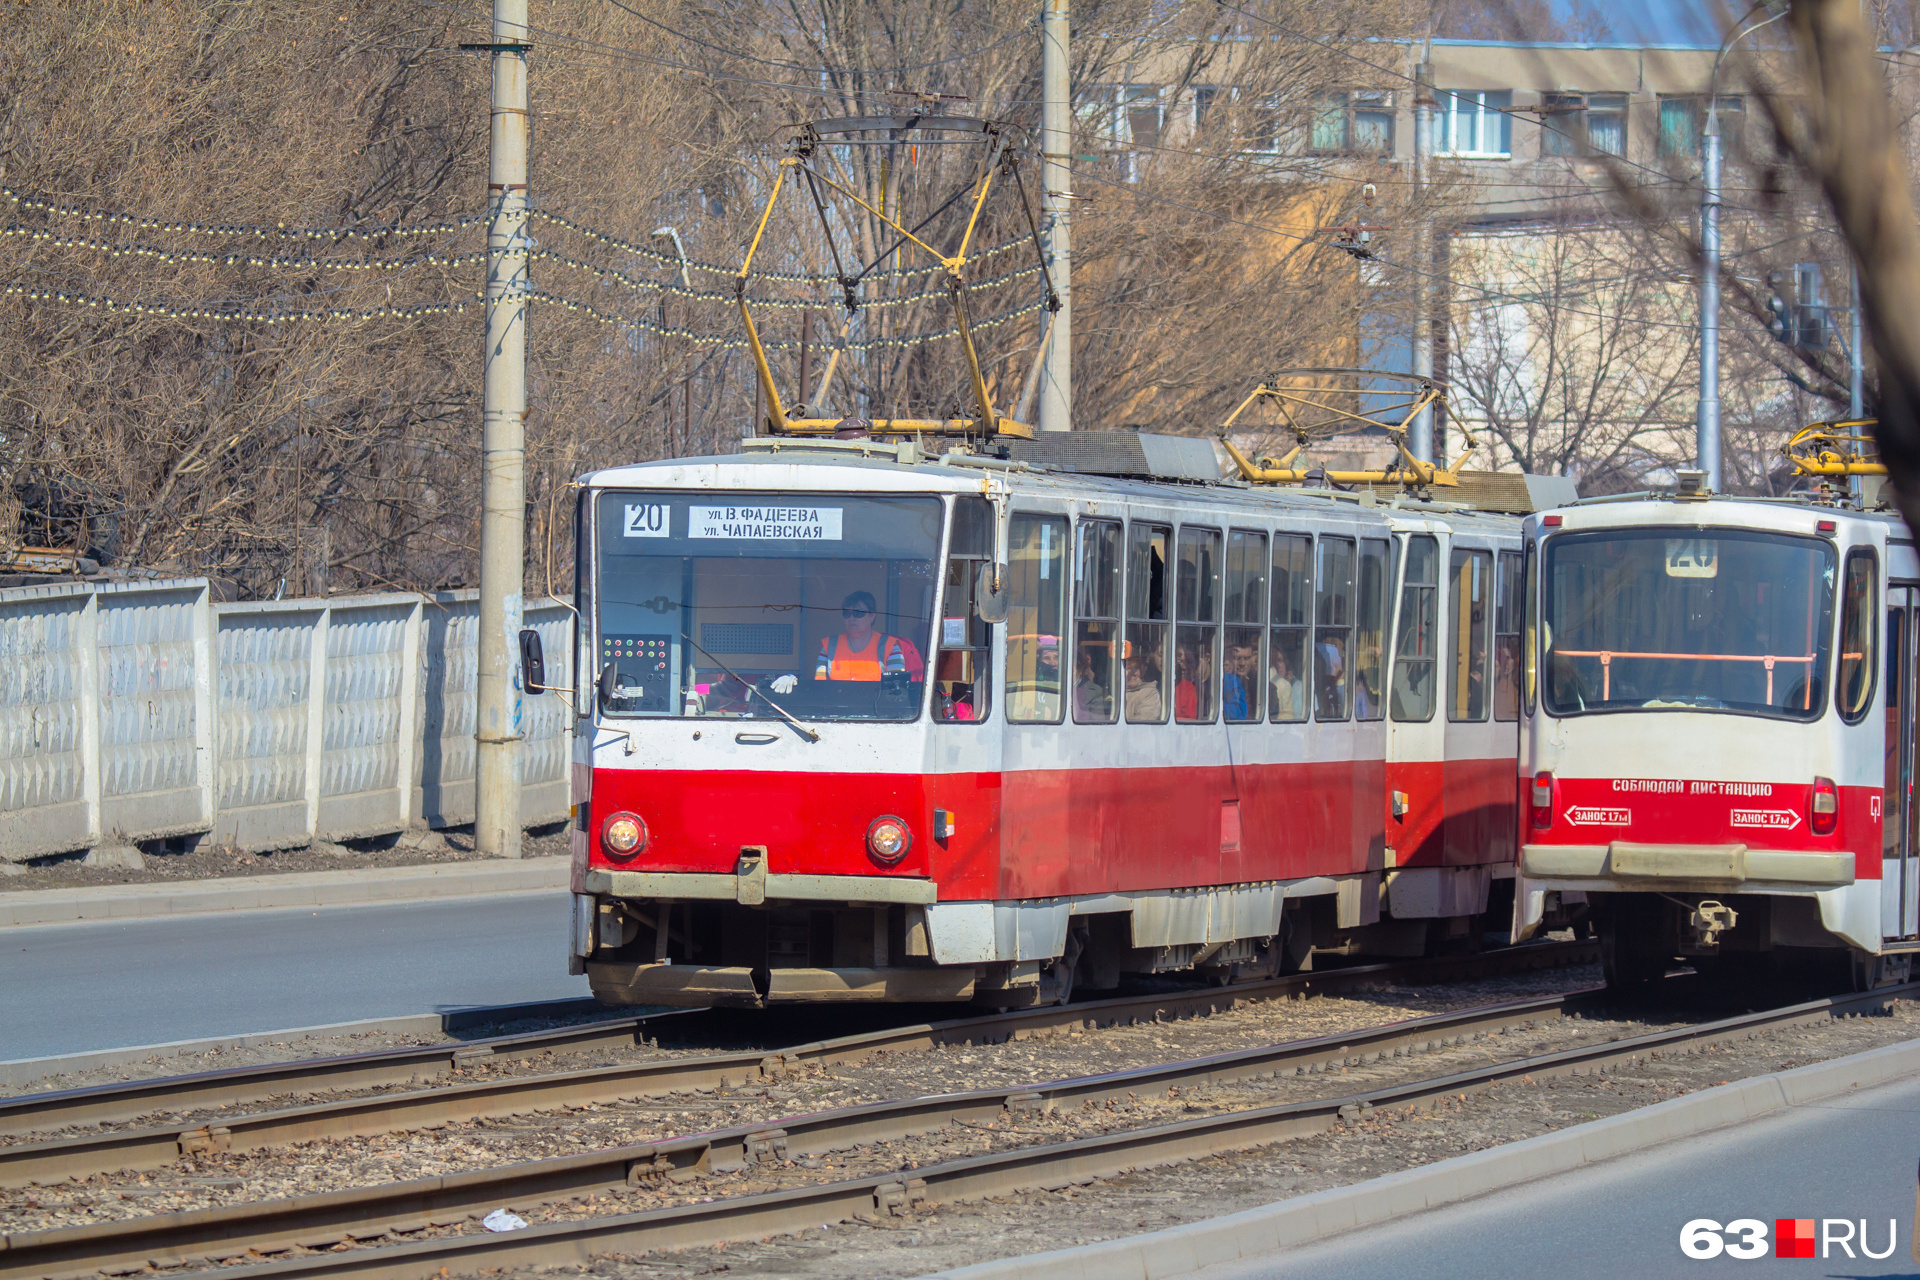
{"type": "Point", "coordinates": [841, 661]}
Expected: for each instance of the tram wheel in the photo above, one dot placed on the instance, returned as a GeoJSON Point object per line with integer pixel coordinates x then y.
{"type": "Point", "coordinates": [1870, 971]}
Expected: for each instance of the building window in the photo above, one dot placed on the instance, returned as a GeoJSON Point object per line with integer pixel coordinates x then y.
{"type": "Point", "coordinates": [1474, 122]}
{"type": "Point", "coordinates": [1683, 120]}
{"type": "Point", "coordinates": [1222, 117]}
{"type": "Point", "coordinates": [1122, 117]}
{"type": "Point", "coordinates": [1583, 124]}
{"type": "Point", "coordinates": [1354, 122]}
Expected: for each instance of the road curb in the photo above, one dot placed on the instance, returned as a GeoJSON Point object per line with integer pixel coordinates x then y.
{"type": "Point", "coordinates": [293, 889]}
{"type": "Point", "coordinates": [21, 1070]}
{"type": "Point", "coordinates": [1252, 1233]}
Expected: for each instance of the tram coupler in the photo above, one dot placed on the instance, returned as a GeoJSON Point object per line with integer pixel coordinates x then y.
{"type": "Point", "coordinates": [1709, 920]}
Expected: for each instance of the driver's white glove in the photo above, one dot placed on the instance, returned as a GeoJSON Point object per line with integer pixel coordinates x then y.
{"type": "Point", "coordinates": [785, 684]}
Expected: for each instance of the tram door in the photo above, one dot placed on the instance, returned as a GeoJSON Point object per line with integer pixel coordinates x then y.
{"type": "Point", "coordinates": [1900, 879]}
{"type": "Point", "coordinates": [1416, 732]}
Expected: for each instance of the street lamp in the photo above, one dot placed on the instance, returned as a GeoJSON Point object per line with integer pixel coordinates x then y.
{"type": "Point", "coordinates": [1707, 420]}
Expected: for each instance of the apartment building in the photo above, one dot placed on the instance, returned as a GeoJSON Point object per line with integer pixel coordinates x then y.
{"type": "Point", "coordinates": [1533, 144]}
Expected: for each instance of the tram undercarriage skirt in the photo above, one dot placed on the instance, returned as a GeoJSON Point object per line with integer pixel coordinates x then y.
{"type": "Point", "coordinates": [699, 986]}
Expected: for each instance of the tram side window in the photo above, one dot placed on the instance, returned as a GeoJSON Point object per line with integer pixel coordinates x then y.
{"type": "Point", "coordinates": [1413, 675]}
{"type": "Point", "coordinates": [1370, 634]}
{"type": "Point", "coordinates": [1506, 637]}
{"type": "Point", "coordinates": [1854, 689]}
{"type": "Point", "coordinates": [1145, 659]}
{"type": "Point", "coordinates": [1197, 607]}
{"type": "Point", "coordinates": [962, 688]}
{"type": "Point", "coordinates": [1036, 617]}
{"type": "Point", "coordinates": [1467, 619]}
{"type": "Point", "coordinates": [1242, 689]}
{"type": "Point", "coordinates": [1292, 620]}
{"type": "Point", "coordinates": [1096, 628]}
{"type": "Point", "coordinates": [1530, 630]}
{"type": "Point", "coordinates": [1332, 628]}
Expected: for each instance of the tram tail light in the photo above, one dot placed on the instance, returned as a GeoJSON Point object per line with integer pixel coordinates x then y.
{"type": "Point", "coordinates": [1826, 807]}
{"type": "Point", "coordinates": [623, 835]}
{"type": "Point", "coordinates": [1542, 801]}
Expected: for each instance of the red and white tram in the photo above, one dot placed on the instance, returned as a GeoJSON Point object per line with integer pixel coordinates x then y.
{"type": "Point", "coordinates": [1719, 733]}
{"type": "Point", "coordinates": [863, 723]}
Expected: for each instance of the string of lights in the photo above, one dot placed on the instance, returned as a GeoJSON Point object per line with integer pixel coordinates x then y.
{"type": "Point", "coordinates": [31, 202]}
{"type": "Point", "coordinates": [253, 313]}
{"type": "Point", "coordinates": [740, 344]}
{"type": "Point", "coordinates": [118, 249]}
{"type": "Point", "coordinates": [670, 260]}
{"type": "Point", "coordinates": [261, 231]}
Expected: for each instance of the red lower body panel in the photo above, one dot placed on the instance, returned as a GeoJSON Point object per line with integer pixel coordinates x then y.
{"type": "Point", "coordinates": [1045, 833]}
{"type": "Point", "coordinates": [1683, 811]}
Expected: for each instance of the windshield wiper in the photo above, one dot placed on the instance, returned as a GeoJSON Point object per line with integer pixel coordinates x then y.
{"type": "Point", "coordinates": [753, 689]}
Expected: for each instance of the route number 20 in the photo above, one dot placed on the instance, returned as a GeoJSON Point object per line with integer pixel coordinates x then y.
{"type": "Point", "coordinates": [1704, 1238]}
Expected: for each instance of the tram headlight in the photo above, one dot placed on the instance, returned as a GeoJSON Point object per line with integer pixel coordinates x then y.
{"type": "Point", "coordinates": [623, 835]}
{"type": "Point", "coordinates": [888, 839]}
{"type": "Point", "coordinates": [1826, 807]}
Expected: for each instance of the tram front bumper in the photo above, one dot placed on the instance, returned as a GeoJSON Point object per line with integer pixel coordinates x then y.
{"type": "Point", "coordinates": [704, 986]}
{"type": "Point", "coordinates": [1705, 868]}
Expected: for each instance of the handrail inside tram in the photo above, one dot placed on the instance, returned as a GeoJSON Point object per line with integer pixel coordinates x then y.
{"type": "Point", "coordinates": [1607, 656]}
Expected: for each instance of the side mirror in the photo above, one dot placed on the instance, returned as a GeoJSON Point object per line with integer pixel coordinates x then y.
{"type": "Point", "coordinates": [604, 686]}
{"type": "Point", "coordinates": [533, 662]}
{"type": "Point", "coordinates": [991, 592]}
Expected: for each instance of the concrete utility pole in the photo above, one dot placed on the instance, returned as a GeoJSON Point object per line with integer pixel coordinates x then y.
{"type": "Point", "coordinates": [496, 825]}
{"type": "Point", "coordinates": [1856, 370]}
{"type": "Point", "coordinates": [1856, 357]}
{"type": "Point", "coordinates": [1707, 416]}
{"type": "Point", "coordinates": [1056, 198]}
{"type": "Point", "coordinates": [1421, 441]}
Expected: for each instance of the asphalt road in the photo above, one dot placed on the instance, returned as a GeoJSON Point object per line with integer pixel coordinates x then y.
{"type": "Point", "coordinates": [1851, 1158]}
{"type": "Point", "coordinates": [74, 988]}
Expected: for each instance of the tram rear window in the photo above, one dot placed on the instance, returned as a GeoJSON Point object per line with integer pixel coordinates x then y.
{"type": "Point", "coordinates": [1725, 620]}
{"type": "Point", "coordinates": [726, 606]}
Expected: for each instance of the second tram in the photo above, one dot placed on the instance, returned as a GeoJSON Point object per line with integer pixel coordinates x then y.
{"type": "Point", "coordinates": [1718, 739]}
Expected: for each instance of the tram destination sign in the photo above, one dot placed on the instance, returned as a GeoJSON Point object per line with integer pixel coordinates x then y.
{"type": "Point", "coordinates": [765, 522]}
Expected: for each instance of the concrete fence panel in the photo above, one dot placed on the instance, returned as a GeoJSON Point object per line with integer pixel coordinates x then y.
{"type": "Point", "coordinates": [47, 730]}
{"type": "Point", "coordinates": [367, 745]}
{"type": "Point", "coordinates": [546, 720]}
{"type": "Point", "coordinates": [269, 657]}
{"type": "Point", "coordinates": [141, 711]}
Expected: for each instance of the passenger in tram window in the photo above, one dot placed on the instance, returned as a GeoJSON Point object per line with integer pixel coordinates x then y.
{"type": "Point", "coordinates": [1143, 690]}
{"type": "Point", "coordinates": [1092, 700]}
{"type": "Point", "coordinates": [1186, 691]}
{"type": "Point", "coordinates": [1284, 686]}
{"type": "Point", "coordinates": [1330, 676]}
{"type": "Point", "coordinates": [861, 653]}
{"type": "Point", "coordinates": [1364, 705]}
{"type": "Point", "coordinates": [1238, 696]}
{"type": "Point", "coordinates": [1506, 680]}
{"type": "Point", "coordinates": [955, 690]}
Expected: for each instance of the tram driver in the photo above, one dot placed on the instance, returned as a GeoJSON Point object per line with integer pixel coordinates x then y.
{"type": "Point", "coordinates": [860, 652]}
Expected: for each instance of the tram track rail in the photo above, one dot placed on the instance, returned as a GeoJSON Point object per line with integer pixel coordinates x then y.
{"type": "Point", "coordinates": [115, 1150]}
{"type": "Point", "coordinates": [340, 1220]}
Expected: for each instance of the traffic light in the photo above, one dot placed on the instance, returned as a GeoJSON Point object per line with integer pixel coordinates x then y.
{"type": "Point", "coordinates": [1805, 323]}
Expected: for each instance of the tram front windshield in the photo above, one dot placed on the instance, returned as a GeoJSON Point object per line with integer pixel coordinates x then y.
{"type": "Point", "coordinates": [734, 605]}
{"type": "Point", "coordinates": [1695, 619]}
